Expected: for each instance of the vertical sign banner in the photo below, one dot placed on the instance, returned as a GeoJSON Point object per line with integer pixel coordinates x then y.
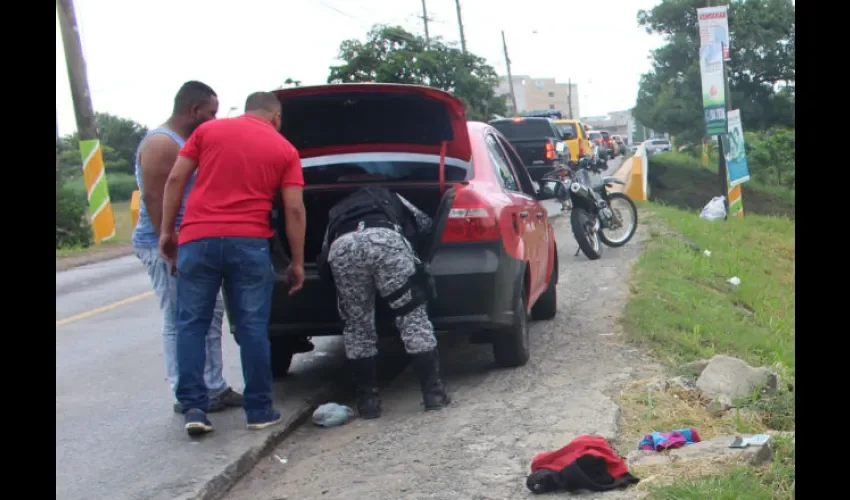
{"type": "Point", "coordinates": [714, 27]}
{"type": "Point", "coordinates": [713, 89]}
{"type": "Point", "coordinates": [734, 150]}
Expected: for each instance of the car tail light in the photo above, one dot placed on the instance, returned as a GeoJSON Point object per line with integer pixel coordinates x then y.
{"type": "Point", "coordinates": [550, 151]}
{"type": "Point", "coordinates": [470, 219]}
{"type": "Point", "coordinates": [580, 149]}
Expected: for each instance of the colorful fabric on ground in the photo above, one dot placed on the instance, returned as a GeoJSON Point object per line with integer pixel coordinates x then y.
{"type": "Point", "coordinates": [659, 441]}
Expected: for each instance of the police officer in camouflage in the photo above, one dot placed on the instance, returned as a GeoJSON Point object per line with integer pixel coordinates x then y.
{"type": "Point", "coordinates": [369, 247]}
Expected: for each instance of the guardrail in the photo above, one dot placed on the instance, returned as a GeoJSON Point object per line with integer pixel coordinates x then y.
{"type": "Point", "coordinates": [635, 173]}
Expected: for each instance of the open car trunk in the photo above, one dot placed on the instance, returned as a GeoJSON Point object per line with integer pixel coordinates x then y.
{"type": "Point", "coordinates": [411, 139]}
{"type": "Point", "coordinates": [318, 202]}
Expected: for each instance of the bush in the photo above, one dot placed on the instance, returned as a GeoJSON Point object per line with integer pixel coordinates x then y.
{"type": "Point", "coordinates": [121, 186]}
{"type": "Point", "coordinates": [72, 227]}
{"type": "Point", "coordinates": [771, 156]}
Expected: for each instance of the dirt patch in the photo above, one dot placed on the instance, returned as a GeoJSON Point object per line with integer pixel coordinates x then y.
{"type": "Point", "coordinates": [93, 255]}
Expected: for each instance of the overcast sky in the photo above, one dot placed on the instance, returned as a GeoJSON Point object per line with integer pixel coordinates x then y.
{"type": "Point", "coordinates": [139, 53]}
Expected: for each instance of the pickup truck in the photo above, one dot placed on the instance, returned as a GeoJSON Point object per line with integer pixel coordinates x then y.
{"type": "Point", "coordinates": [539, 142]}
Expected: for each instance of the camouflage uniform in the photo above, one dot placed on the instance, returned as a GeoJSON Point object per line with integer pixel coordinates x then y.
{"type": "Point", "coordinates": [378, 259]}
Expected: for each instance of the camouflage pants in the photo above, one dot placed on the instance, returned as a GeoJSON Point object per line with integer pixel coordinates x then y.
{"type": "Point", "coordinates": [370, 260]}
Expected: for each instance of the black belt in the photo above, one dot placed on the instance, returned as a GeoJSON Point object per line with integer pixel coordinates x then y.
{"type": "Point", "coordinates": [350, 227]}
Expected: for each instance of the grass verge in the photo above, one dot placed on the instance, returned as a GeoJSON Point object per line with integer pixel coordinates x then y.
{"type": "Point", "coordinates": [682, 181]}
{"type": "Point", "coordinates": [123, 233]}
{"type": "Point", "coordinates": [683, 309]}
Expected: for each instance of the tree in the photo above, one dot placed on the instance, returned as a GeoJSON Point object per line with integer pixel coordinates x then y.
{"type": "Point", "coordinates": [390, 54]}
{"type": "Point", "coordinates": [119, 138]}
{"type": "Point", "coordinates": [761, 72]}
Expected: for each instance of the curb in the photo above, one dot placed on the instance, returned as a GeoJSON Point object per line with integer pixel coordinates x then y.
{"type": "Point", "coordinates": [219, 485]}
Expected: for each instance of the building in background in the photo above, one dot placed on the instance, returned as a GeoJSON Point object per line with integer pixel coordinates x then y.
{"type": "Point", "coordinates": [541, 94]}
{"type": "Point", "coordinates": [620, 123]}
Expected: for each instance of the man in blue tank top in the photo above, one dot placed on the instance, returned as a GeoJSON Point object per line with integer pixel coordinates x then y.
{"type": "Point", "coordinates": [194, 104]}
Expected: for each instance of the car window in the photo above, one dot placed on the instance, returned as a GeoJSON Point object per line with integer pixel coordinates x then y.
{"type": "Point", "coordinates": [595, 135]}
{"type": "Point", "coordinates": [518, 128]}
{"type": "Point", "coordinates": [568, 128]}
{"type": "Point", "coordinates": [503, 170]}
{"type": "Point", "coordinates": [518, 168]}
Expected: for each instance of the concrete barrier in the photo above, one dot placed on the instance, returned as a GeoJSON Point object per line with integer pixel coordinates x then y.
{"type": "Point", "coordinates": [135, 201]}
{"type": "Point", "coordinates": [634, 172]}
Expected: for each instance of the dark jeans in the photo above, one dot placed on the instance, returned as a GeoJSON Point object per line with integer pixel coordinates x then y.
{"type": "Point", "coordinates": [244, 267]}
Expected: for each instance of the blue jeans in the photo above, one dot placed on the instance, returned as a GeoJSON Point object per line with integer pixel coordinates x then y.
{"type": "Point", "coordinates": [165, 288]}
{"type": "Point", "coordinates": [244, 266]}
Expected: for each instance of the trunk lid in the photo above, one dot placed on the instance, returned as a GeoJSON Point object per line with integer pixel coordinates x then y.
{"type": "Point", "coordinates": [374, 117]}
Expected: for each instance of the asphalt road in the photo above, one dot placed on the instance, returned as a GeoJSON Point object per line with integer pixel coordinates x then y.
{"type": "Point", "coordinates": [116, 435]}
{"type": "Point", "coordinates": [481, 446]}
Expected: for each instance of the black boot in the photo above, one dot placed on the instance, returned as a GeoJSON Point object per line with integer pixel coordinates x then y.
{"type": "Point", "coordinates": [427, 367]}
{"type": "Point", "coordinates": [366, 387]}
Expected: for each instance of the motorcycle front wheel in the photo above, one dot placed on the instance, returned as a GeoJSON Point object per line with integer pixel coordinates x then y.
{"type": "Point", "coordinates": [585, 231]}
{"type": "Point", "coordinates": [625, 217]}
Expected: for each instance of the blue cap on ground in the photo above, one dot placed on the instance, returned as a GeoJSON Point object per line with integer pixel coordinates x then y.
{"type": "Point", "coordinates": [332, 415]}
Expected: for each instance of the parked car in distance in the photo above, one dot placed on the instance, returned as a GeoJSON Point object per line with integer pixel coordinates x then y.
{"type": "Point", "coordinates": [634, 147]}
{"type": "Point", "coordinates": [621, 145]}
{"type": "Point", "coordinates": [657, 145]}
{"type": "Point", "coordinates": [492, 252]}
{"type": "Point", "coordinates": [538, 141]}
{"type": "Point", "coordinates": [604, 151]}
{"type": "Point", "coordinates": [578, 141]}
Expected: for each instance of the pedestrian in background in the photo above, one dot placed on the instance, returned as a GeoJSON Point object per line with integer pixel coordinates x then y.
{"type": "Point", "coordinates": [241, 163]}
{"type": "Point", "coordinates": [194, 104]}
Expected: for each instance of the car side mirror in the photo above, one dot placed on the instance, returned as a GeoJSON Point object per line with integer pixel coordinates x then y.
{"type": "Point", "coordinates": [553, 190]}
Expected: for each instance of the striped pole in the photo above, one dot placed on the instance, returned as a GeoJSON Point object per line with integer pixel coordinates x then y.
{"type": "Point", "coordinates": [100, 209]}
{"type": "Point", "coordinates": [736, 201]}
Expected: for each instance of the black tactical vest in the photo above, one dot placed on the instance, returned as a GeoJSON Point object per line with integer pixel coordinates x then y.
{"type": "Point", "coordinates": [370, 205]}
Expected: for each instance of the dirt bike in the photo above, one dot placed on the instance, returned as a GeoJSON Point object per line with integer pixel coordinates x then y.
{"type": "Point", "coordinates": [597, 216]}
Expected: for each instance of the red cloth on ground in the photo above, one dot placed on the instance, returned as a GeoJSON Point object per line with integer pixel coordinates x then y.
{"type": "Point", "coordinates": [580, 446]}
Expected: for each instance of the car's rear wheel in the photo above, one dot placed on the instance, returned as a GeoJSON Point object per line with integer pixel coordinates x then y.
{"type": "Point", "coordinates": [546, 306]}
{"type": "Point", "coordinates": [511, 345]}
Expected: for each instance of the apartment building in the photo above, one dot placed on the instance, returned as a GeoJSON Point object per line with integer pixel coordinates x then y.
{"type": "Point", "coordinates": [540, 94]}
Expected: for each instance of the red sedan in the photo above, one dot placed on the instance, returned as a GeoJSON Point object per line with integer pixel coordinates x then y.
{"type": "Point", "coordinates": [492, 254]}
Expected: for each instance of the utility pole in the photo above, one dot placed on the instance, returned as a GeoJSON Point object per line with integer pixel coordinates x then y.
{"type": "Point", "coordinates": [459, 24]}
{"type": "Point", "coordinates": [570, 96]}
{"type": "Point", "coordinates": [100, 208]}
{"type": "Point", "coordinates": [510, 78]}
{"type": "Point", "coordinates": [425, 20]}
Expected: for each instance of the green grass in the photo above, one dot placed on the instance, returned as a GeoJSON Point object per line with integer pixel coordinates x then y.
{"type": "Point", "coordinates": [123, 233]}
{"type": "Point", "coordinates": [683, 309]}
{"type": "Point", "coordinates": [772, 483]}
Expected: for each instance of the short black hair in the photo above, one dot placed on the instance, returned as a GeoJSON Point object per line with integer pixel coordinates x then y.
{"type": "Point", "coordinates": [262, 101]}
{"type": "Point", "coordinates": [191, 94]}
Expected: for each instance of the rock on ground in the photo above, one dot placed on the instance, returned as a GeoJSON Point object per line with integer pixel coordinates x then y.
{"type": "Point", "coordinates": [725, 375]}
{"type": "Point", "coordinates": [480, 447]}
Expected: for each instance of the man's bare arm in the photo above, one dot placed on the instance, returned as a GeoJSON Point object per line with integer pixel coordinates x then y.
{"type": "Point", "coordinates": [295, 216]}
{"type": "Point", "coordinates": [173, 193]}
{"type": "Point", "coordinates": [157, 157]}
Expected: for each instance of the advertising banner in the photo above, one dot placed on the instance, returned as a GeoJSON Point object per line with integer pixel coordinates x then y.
{"type": "Point", "coordinates": [713, 89]}
{"type": "Point", "coordinates": [714, 27]}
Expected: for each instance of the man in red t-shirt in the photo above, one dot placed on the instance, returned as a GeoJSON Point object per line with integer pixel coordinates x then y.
{"type": "Point", "coordinates": [242, 163]}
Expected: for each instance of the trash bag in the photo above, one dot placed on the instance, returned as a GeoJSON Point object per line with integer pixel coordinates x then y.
{"type": "Point", "coordinates": [332, 415]}
{"type": "Point", "coordinates": [714, 209]}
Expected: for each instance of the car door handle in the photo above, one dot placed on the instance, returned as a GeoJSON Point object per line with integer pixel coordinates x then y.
{"type": "Point", "coordinates": [523, 214]}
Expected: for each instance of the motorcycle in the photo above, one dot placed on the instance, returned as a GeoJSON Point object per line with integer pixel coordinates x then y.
{"type": "Point", "coordinates": [597, 216]}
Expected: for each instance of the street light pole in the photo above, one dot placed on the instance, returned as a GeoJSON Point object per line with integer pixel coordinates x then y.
{"type": "Point", "coordinates": [510, 77]}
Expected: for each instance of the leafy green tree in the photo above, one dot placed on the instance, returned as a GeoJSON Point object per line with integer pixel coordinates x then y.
{"type": "Point", "coordinates": [391, 54]}
{"type": "Point", "coordinates": [761, 72]}
{"type": "Point", "coordinates": [119, 138]}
